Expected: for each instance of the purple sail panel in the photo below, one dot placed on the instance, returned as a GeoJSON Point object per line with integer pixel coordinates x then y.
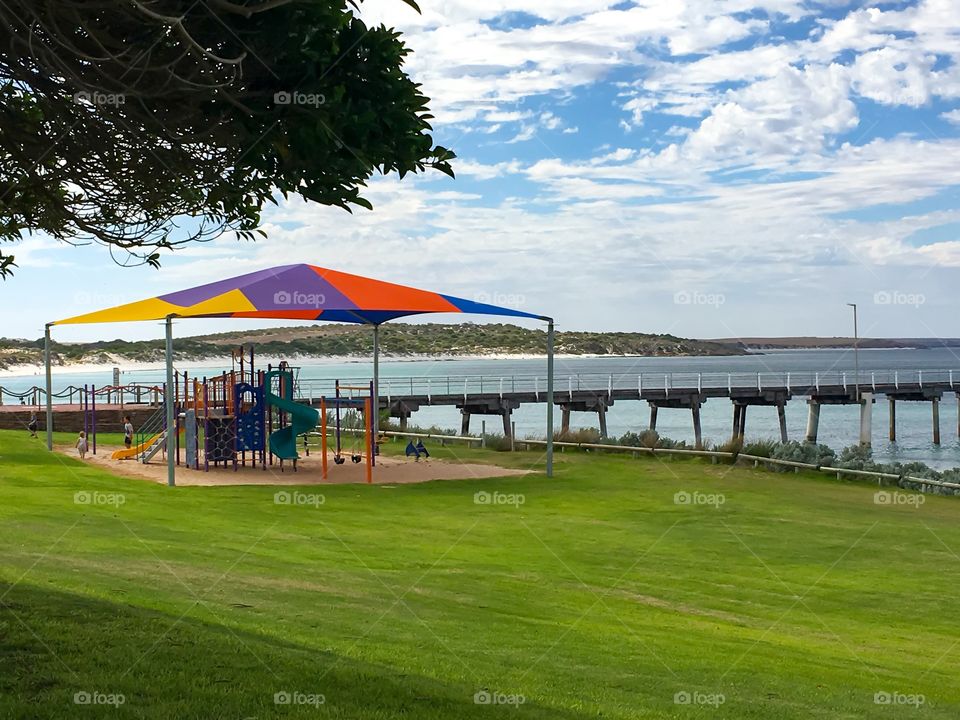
{"type": "Point", "coordinates": [186, 298]}
{"type": "Point", "coordinates": [297, 288]}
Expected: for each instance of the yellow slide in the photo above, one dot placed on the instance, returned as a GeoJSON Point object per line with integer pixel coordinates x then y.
{"type": "Point", "coordinates": [134, 451]}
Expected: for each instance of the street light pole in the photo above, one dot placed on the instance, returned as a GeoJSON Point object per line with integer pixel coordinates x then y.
{"type": "Point", "coordinates": [856, 350]}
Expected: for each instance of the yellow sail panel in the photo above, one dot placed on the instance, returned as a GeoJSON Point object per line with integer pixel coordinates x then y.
{"type": "Point", "coordinates": [157, 309]}
{"type": "Point", "coordinates": [152, 309]}
{"type": "Point", "coordinates": [229, 302]}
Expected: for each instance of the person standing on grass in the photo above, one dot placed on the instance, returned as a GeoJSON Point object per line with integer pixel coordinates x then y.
{"type": "Point", "coordinates": [127, 432]}
{"type": "Point", "coordinates": [82, 445]}
{"type": "Point", "coordinates": [32, 425]}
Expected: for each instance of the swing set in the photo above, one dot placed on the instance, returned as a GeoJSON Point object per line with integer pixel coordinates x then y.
{"type": "Point", "coordinates": [360, 399]}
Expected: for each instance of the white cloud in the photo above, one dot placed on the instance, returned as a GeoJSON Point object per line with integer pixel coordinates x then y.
{"type": "Point", "coordinates": [952, 116]}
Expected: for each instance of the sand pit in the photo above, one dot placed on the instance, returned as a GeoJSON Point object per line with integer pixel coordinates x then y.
{"type": "Point", "coordinates": [389, 471]}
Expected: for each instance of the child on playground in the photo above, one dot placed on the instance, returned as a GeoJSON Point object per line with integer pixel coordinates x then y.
{"type": "Point", "coordinates": [82, 445]}
{"type": "Point", "coordinates": [127, 432]}
{"type": "Point", "coordinates": [32, 425]}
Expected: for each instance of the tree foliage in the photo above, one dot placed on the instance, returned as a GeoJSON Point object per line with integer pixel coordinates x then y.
{"type": "Point", "coordinates": [144, 124]}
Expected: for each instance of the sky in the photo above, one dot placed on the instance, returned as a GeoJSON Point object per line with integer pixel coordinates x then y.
{"type": "Point", "coordinates": [705, 168]}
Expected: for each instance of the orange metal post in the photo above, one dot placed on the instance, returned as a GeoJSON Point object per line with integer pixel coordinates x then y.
{"type": "Point", "coordinates": [323, 436]}
{"type": "Point", "coordinates": [367, 422]}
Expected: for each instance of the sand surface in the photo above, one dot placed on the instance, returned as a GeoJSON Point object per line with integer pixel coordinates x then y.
{"type": "Point", "coordinates": [388, 471]}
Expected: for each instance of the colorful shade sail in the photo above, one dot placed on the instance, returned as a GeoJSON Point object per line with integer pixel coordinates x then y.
{"type": "Point", "coordinates": [296, 292]}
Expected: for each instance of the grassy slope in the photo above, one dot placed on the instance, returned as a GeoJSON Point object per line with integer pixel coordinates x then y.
{"type": "Point", "coordinates": [598, 597]}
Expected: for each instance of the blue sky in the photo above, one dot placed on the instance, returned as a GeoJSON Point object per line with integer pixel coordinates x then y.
{"type": "Point", "coordinates": [707, 168]}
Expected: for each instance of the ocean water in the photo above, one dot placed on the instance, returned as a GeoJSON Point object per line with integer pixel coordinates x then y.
{"type": "Point", "coordinates": [839, 425]}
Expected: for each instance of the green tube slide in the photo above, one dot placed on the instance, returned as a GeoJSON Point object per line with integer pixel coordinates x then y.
{"type": "Point", "coordinates": [283, 442]}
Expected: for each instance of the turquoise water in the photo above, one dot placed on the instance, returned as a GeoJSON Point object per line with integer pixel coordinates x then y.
{"type": "Point", "coordinates": [839, 425]}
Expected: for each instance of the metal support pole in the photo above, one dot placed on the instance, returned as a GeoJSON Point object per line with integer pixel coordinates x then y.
{"type": "Point", "coordinates": [49, 385]}
{"type": "Point", "coordinates": [856, 351]}
{"type": "Point", "coordinates": [550, 398]}
{"type": "Point", "coordinates": [168, 401]}
{"type": "Point", "coordinates": [376, 376]}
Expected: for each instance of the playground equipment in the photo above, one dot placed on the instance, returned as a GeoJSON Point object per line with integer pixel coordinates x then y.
{"type": "Point", "coordinates": [303, 419]}
{"type": "Point", "coordinates": [132, 452]}
{"type": "Point", "coordinates": [358, 398]}
{"type": "Point", "coordinates": [250, 415]}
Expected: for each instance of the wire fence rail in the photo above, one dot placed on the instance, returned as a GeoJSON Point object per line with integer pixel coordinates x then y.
{"type": "Point", "coordinates": [712, 455]}
{"type": "Point", "coordinates": [535, 386]}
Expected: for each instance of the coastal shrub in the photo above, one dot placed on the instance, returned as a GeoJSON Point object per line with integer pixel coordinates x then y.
{"type": "Point", "coordinates": [808, 453]}
{"type": "Point", "coordinates": [581, 435]}
{"type": "Point", "coordinates": [394, 426]}
{"type": "Point", "coordinates": [857, 457]}
{"type": "Point", "coordinates": [759, 448]}
{"type": "Point", "coordinates": [499, 443]}
{"type": "Point", "coordinates": [668, 444]}
{"type": "Point", "coordinates": [733, 445]}
{"type": "Point", "coordinates": [645, 439]}
{"type": "Point", "coordinates": [919, 469]}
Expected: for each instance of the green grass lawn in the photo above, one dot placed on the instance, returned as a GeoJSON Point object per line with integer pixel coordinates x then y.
{"type": "Point", "coordinates": [597, 596]}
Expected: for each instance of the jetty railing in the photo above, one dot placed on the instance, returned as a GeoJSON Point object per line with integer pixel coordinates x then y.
{"type": "Point", "coordinates": [802, 382]}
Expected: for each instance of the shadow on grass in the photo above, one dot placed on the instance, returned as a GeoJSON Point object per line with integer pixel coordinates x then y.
{"type": "Point", "coordinates": [54, 645]}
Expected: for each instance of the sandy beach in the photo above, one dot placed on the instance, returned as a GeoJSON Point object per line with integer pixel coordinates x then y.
{"type": "Point", "coordinates": [27, 371]}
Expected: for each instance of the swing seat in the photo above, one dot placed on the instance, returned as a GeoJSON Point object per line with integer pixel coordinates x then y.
{"type": "Point", "coordinates": [339, 459]}
{"type": "Point", "coordinates": [356, 458]}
